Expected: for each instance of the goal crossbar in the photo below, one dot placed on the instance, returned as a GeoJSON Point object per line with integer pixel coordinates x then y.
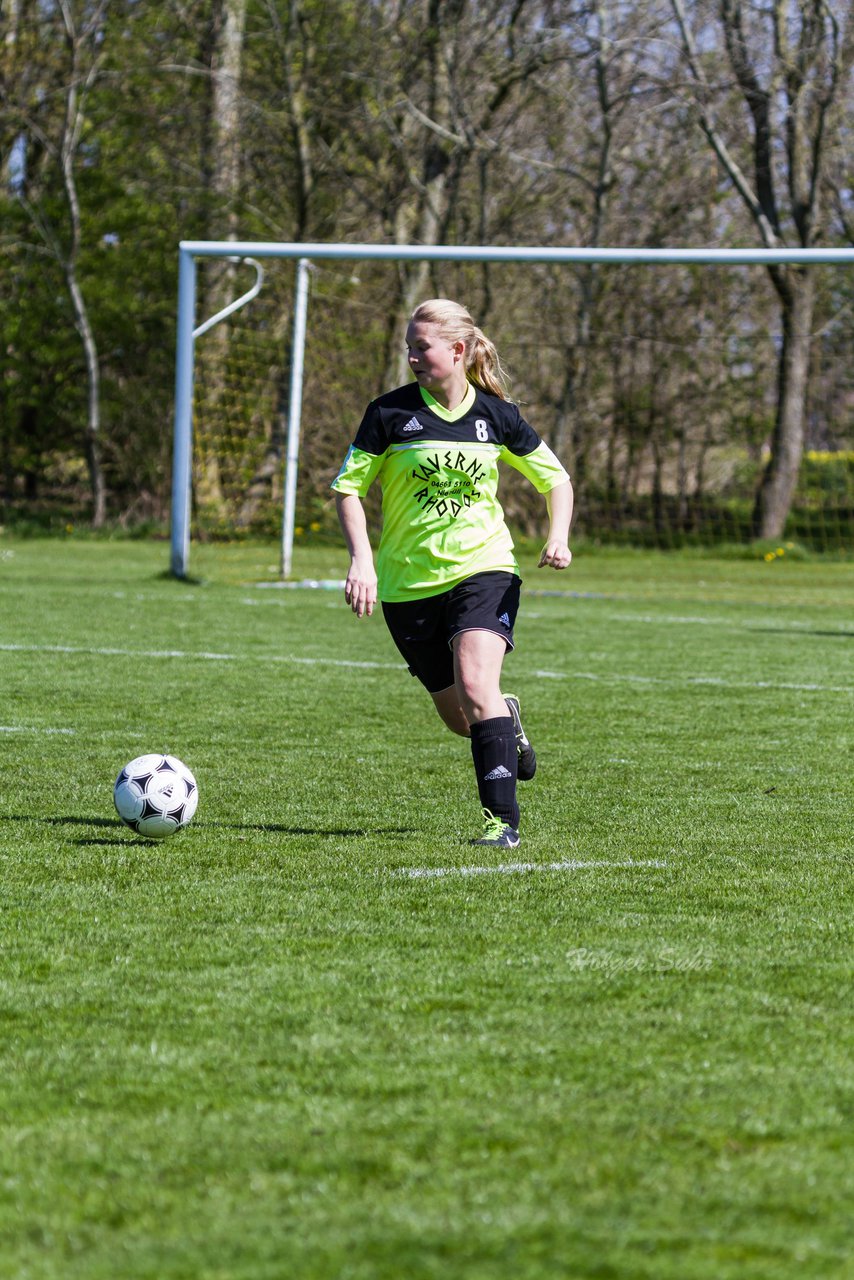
{"type": "Point", "coordinates": [304, 253]}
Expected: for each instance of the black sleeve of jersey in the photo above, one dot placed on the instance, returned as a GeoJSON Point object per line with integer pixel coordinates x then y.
{"type": "Point", "coordinates": [371, 436]}
{"type": "Point", "coordinates": [521, 437]}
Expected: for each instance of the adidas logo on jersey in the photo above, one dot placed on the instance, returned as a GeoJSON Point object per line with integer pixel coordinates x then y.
{"type": "Point", "coordinates": [413, 425]}
{"type": "Point", "coordinates": [498, 772]}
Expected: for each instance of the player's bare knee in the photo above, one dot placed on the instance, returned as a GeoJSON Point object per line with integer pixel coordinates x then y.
{"type": "Point", "coordinates": [474, 704]}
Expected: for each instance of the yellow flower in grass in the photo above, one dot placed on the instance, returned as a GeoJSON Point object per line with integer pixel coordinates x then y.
{"type": "Point", "coordinates": [315, 526]}
{"type": "Point", "coordinates": [769, 556]}
{"type": "Point", "coordinates": [780, 551]}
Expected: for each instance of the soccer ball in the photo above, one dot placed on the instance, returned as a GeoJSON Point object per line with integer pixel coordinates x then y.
{"type": "Point", "coordinates": [156, 795]}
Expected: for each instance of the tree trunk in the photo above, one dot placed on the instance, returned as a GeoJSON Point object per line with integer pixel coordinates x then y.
{"type": "Point", "coordinates": [72, 128]}
{"type": "Point", "coordinates": [226, 56]}
{"type": "Point", "coordinates": [780, 478]}
{"type": "Point", "coordinates": [94, 459]}
{"type": "Point", "coordinates": [805, 61]}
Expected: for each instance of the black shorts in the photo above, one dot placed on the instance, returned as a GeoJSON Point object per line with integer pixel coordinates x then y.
{"type": "Point", "coordinates": [423, 630]}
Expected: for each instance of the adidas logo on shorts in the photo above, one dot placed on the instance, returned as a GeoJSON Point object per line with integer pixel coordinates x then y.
{"type": "Point", "coordinates": [504, 620]}
{"type": "Point", "coordinates": [498, 772]}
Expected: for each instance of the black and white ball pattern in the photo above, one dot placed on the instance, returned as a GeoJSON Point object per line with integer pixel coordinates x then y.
{"type": "Point", "coordinates": [156, 795]}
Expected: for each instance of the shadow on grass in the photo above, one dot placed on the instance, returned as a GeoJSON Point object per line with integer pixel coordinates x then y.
{"type": "Point", "coordinates": [283, 828]}
{"type": "Point", "coordinates": [804, 631]}
{"type": "Point", "coordinates": [62, 821]}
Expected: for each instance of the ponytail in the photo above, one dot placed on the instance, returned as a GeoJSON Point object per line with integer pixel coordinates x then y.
{"type": "Point", "coordinates": [483, 367]}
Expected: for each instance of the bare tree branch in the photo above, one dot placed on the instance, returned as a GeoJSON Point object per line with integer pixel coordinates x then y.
{"type": "Point", "coordinates": [766, 226]}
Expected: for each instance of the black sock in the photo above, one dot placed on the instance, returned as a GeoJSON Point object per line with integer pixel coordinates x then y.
{"type": "Point", "coordinates": [493, 749]}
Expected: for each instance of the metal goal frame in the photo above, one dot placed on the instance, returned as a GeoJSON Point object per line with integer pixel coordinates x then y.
{"type": "Point", "coordinates": [253, 252]}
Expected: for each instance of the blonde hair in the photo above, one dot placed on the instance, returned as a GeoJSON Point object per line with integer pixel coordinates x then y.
{"type": "Point", "coordinates": [483, 366]}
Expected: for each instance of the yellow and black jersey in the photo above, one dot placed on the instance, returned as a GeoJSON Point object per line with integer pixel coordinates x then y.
{"type": "Point", "coordinates": [442, 521]}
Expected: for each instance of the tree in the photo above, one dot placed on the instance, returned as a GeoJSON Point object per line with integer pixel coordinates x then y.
{"type": "Point", "coordinates": [76, 49]}
{"type": "Point", "coordinates": [789, 62]}
{"type": "Point", "coordinates": [472, 122]}
{"type": "Point", "coordinates": [440, 110]}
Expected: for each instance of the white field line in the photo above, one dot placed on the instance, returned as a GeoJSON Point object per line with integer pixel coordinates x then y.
{"type": "Point", "coordinates": [721, 621]}
{"type": "Point", "coordinates": [337, 584]}
{"type": "Point", "coordinates": [729, 623]}
{"type": "Point", "coordinates": [515, 868]}
{"type": "Point", "coordinates": [611, 677]}
{"type": "Point", "coordinates": [616, 677]}
{"type": "Point", "coordinates": [194, 655]}
{"type": "Point", "coordinates": [736, 624]}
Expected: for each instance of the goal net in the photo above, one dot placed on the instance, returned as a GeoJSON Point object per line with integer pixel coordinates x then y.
{"type": "Point", "coordinates": [656, 382]}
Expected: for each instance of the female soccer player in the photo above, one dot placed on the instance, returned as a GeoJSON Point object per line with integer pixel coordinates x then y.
{"type": "Point", "coordinates": [446, 574]}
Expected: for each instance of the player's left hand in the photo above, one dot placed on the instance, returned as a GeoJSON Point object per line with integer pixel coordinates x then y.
{"type": "Point", "coordinates": [555, 555]}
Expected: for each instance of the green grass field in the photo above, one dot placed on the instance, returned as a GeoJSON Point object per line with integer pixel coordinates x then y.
{"type": "Point", "coordinates": [318, 1036]}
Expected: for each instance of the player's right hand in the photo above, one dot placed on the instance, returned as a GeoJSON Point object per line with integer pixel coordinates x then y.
{"type": "Point", "coordinates": [360, 588]}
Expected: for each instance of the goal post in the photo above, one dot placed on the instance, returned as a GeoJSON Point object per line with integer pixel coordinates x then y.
{"type": "Point", "coordinates": [305, 254]}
